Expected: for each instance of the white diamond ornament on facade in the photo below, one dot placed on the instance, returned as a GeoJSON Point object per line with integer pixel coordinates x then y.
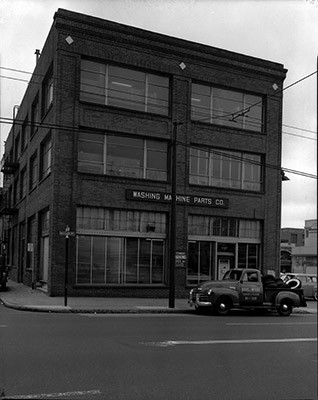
{"type": "Point", "coordinates": [69, 40]}
{"type": "Point", "coordinates": [182, 66]}
{"type": "Point", "coordinates": [275, 86]}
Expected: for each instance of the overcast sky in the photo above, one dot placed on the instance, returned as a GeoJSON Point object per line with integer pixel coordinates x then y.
{"type": "Point", "coordinates": [283, 31]}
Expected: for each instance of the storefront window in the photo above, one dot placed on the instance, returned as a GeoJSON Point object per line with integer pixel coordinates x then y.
{"type": "Point", "coordinates": [108, 254]}
{"type": "Point", "coordinates": [248, 255]}
{"type": "Point", "coordinates": [200, 261]}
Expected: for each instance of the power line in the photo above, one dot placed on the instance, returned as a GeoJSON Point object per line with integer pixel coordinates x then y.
{"type": "Point", "coordinates": [300, 136]}
{"type": "Point", "coordinates": [300, 129]}
{"type": "Point", "coordinates": [188, 146]}
{"type": "Point", "coordinates": [233, 116]}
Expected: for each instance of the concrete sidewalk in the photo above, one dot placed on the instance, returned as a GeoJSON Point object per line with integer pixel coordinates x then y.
{"type": "Point", "coordinates": [22, 297]}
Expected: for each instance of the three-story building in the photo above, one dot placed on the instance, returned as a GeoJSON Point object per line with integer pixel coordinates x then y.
{"type": "Point", "coordinates": [92, 148]}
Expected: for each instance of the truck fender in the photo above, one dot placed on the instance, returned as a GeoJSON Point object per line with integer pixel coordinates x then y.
{"type": "Point", "coordinates": [232, 294]}
{"type": "Point", "coordinates": [293, 297]}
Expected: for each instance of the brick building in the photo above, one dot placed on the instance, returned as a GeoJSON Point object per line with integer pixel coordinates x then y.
{"type": "Point", "coordinates": [91, 148]}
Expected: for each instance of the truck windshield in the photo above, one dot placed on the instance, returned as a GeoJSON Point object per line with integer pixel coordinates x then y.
{"type": "Point", "coordinates": [232, 275]}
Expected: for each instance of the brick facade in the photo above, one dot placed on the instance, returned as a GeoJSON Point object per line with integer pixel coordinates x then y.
{"type": "Point", "coordinates": [65, 187]}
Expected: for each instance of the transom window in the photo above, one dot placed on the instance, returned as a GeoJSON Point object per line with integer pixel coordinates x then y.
{"type": "Point", "coordinates": [103, 219]}
{"type": "Point", "coordinates": [228, 169]}
{"type": "Point", "coordinates": [122, 156]}
{"type": "Point", "coordinates": [226, 107]}
{"type": "Point", "coordinates": [221, 226]}
{"type": "Point", "coordinates": [123, 87]}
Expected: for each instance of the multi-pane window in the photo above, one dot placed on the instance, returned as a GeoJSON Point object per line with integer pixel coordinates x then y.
{"type": "Point", "coordinates": [122, 156]}
{"type": "Point", "coordinates": [228, 169]}
{"type": "Point", "coordinates": [16, 191]}
{"type": "Point", "coordinates": [123, 87]}
{"type": "Point", "coordinates": [23, 183]}
{"type": "Point", "coordinates": [200, 261]}
{"type": "Point", "coordinates": [48, 89]}
{"type": "Point", "coordinates": [45, 157]}
{"type": "Point", "coordinates": [35, 115]}
{"type": "Point", "coordinates": [223, 226]}
{"type": "Point", "coordinates": [108, 253]}
{"type": "Point", "coordinates": [33, 177]}
{"type": "Point", "coordinates": [95, 218]}
{"type": "Point", "coordinates": [17, 150]}
{"type": "Point", "coordinates": [248, 255]}
{"type": "Point", "coordinates": [45, 222]}
{"type": "Point", "coordinates": [24, 134]}
{"type": "Point", "coordinates": [226, 107]}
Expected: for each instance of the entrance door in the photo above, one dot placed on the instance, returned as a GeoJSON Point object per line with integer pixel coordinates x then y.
{"type": "Point", "coordinates": [224, 265]}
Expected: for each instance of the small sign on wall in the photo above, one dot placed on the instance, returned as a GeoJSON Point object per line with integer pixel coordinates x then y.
{"type": "Point", "coordinates": [30, 247]}
{"type": "Point", "coordinates": [181, 259]}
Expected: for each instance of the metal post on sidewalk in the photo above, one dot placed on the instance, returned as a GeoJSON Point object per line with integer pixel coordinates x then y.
{"type": "Point", "coordinates": [66, 271]}
{"type": "Point", "coordinates": [67, 233]}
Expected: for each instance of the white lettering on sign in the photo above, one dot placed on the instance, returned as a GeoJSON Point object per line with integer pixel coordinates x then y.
{"type": "Point", "coordinates": [183, 199]}
{"type": "Point", "coordinates": [146, 195]}
{"type": "Point", "coordinates": [219, 202]}
{"type": "Point", "coordinates": [202, 200]}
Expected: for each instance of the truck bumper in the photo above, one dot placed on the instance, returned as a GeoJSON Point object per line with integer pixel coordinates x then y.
{"type": "Point", "coordinates": [199, 302]}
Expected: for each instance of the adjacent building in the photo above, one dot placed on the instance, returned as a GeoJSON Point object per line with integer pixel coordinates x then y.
{"type": "Point", "coordinates": [304, 258]}
{"type": "Point", "coordinates": [290, 237]}
{"type": "Point", "coordinates": [114, 121]}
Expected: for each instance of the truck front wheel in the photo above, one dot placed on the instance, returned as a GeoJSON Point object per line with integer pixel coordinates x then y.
{"type": "Point", "coordinates": [223, 305]}
{"type": "Point", "coordinates": [285, 308]}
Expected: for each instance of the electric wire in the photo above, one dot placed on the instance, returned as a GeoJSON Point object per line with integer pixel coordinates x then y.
{"type": "Point", "coordinates": [233, 116]}
{"type": "Point", "coordinates": [224, 153]}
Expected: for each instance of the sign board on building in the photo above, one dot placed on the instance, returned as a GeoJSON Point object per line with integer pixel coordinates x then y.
{"type": "Point", "coordinates": [185, 199]}
{"type": "Point", "coordinates": [181, 259]}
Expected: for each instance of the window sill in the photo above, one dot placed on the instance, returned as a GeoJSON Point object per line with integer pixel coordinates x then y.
{"type": "Point", "coordinates": [103, 177]}
{"type": "Point", "coordinates": [231, 190]}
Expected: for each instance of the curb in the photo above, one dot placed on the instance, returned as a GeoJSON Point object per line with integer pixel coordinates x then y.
{"type": "Point", "coordinates": [137, 310]}
{"type": "Point", "coordinates": [67, 309]}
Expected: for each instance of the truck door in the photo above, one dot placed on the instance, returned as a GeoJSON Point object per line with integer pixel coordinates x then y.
{"type": "Point", "coordinates": [251, 290]}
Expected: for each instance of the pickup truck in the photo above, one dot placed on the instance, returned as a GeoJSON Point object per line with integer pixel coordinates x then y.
{"type": "Point", "coordinates": [246, 289]}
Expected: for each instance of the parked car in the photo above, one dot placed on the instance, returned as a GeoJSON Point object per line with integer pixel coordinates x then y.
{"type": "Point", "coordinates": [308, 283]}
{"type": "Point", "coordinates": [3, 274]}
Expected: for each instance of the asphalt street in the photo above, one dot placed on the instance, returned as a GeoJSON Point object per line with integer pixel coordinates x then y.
{"type": "Point", "coordinates": [157, 356]}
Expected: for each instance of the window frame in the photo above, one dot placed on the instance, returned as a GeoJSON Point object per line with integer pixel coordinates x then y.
{"type": "Point", "coordinates": [211, 115]}
{"type": "Point", "coordinates": [224, 157]}
{"type": "Point", "coordinates": [45, 157]}
{"type": "Point", "coordinates": [34, 171]}
{"type": "Point", "coordinates": [47, 91]}
{"type": "Point", "coordinates": [104, 91]}
{"type": "Point", "coordinates": [35, 115]}
{"type": "Point", "coordinates": [146, 169]}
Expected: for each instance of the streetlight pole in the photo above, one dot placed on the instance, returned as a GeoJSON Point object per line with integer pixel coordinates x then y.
{"type": "Point", "coordinates": [173, 217]}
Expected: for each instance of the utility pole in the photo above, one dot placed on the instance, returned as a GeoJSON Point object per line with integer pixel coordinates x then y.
{"type": "Point", "coordinates": [173, 216]}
